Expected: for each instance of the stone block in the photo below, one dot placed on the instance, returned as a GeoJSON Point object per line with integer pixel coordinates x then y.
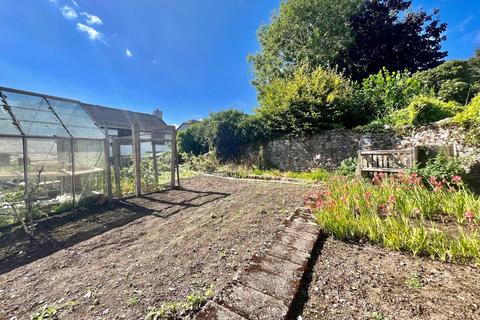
{"type": "Point", "coordinates": [252, 304]}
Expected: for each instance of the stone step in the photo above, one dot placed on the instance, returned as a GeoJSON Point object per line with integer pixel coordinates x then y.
{"type": "Point", "coordinates": [266, 288]}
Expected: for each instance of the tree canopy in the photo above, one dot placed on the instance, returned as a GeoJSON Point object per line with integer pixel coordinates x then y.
{"type": "Point", "coordinates": [388, 35]}
{"type": "Point", "coordinates": [359, 36]}
{"type": "Point", "coordinates": [303, 31]}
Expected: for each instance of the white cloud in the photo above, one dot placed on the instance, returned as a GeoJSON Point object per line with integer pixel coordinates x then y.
{"type": "Point", "coordinates": [91, 20]}
{"type": "Point", "coordinates": [74, 3]}
{"type": "Point", "coordinates": [69, 13]}
{"type": "Point", "coordinates": [53, 1]}
{"type": "Point", "coordinates": [128, 53]}
{"type": "Point", "coordinates": [155, 61]}
{"type": "Point", "coordinates": [92, 33]}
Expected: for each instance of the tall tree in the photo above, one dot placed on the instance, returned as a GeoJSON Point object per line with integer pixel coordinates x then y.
{"type": "Point", "coordinates": [360, 36]}
{"type": "Point", "coordinates": [387, 34]}
{"type": "Point", "coordinates": [303, 31]}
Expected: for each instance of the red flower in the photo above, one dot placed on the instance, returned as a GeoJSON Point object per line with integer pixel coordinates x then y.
{"type": "Point", "coordinates": [469, 215]}
{"type": "Point", "coordinates": [392, 199]}
{"type": "Point", "coordinates": [457, 179]}
{"type": "Point", "coordinates": [368, 195]}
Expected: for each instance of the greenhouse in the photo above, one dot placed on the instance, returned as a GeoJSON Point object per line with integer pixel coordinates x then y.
{"type": "Point", "coordinates": [55, 147]}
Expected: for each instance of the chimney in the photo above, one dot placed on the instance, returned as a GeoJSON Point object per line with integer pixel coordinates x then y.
{"type": "Point", "coordinates": [158, 113]}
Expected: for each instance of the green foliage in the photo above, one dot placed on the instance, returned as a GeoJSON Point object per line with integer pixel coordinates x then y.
{"type": "Point", "coordinates": [166, 311]}
{"type": "Point", "coordinates": [222, 133]}
{"type": "Point", "coordinates": [442, 168]}
{"type": "Point", "coordinates": [392, 34]}
{"type": "Point", "coordinates": [401, 213]}
{"type": "Point", "coordinates": [424, 110]}
{"type": "Point", "coordinates": [359, 36]}
{"type": "Point", "coordinates": [306, 102]}
{"type": "Point", "coordinates": [196, 300]}
{"type": "Point", "coordinates": [456, 80]}
{"type": "Point", "coordinates": [348, 167]}
{"type": "Point", "coordinates": [414, 281]}
{"type": "Point", "coordinates": [207, 162]}
{"type": "Point", "coordinates": [386, 92]}
{"type": "Point", "coordinates": [302, 31]}
{"type": "Point", "coordinates": [47, 312]}
{"type": "Point", "coordinates": [180, 310]}
{"type": "Point", "coordinates": [193, 140]}
{"type": "Point", "coordinates": [470, 119]}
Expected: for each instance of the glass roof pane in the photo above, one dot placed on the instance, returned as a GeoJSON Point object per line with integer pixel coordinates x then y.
{"type": "Point", "coordinates": [76, 119]}
{"type": "Point", "coordinates": [7, 127]}
{"type": "Point", "coordinates": [43, 129]}
{"type": "Point", "coordinates": [4, 114]}
{"type": "Point", "coordinates": [22, 114]}
{"type": "Point", "coordinates": [25, 101]}
{"type": "Point", "coordinates": [92, 133]}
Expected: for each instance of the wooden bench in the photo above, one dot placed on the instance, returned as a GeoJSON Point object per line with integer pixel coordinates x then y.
{"type": "Point", "coordinates": [386, 161]}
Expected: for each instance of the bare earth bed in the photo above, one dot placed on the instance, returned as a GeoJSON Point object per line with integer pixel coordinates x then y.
{"type": "Point", "coordinates": [352, 281]}
{"type": "Point", "coordinates": [117, 263]}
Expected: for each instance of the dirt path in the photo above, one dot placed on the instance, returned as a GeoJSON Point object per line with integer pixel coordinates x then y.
{"type": "Point", "coordinates": [352, 281]}
{"type": "Point", "coordinates": [169, 244]}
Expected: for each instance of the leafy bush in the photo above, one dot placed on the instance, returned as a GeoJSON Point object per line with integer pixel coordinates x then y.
{"type": "Point", "coordinates": [306, 102]}
{"type": "Point", "coordinates": [400, 213]}
{"type": "Point", "coordinates": [456, 80]}
{"type": "Point", "coordinates": [441, 169]}
{"type": "Point", "coordinates": [222, 133]}
{"type": "Point", "coordinates": [207, 162]}
{"type": "Point", "coordinates": [470, 119]}
{"type": "Point", "coordinates": [424, 110]}
{"type": "Point", "coordinates": [386, 91]}
{"type": "Point", "coordinates": [348, 167]}
{"type": "Point", "coordinates": [193, 140]}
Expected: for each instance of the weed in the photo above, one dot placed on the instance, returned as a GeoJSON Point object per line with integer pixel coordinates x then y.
{"type": "Point", "coordinates": [177, 310]}
{"type": "Point", "coordinates": [47, 312]}
{"type": "Point", "coordinates": [377, 316]}
{"type": "Point", "coordinates": [414, 281]}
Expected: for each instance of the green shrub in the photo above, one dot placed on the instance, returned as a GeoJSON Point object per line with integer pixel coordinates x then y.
{"type": "Point", "coordinates": [442, 168]}
{"type": "Point", "coordinates": [207, 162]}
{"type": "Point", "coordinates": [423, 110]}
{"type": "Point", "coordinates": [456, 80]}
{"type": "Point", "coordinates": [306, 102]}
{"type": "Point", "coordinates": [470, 119]}
{"type": "Point", "coordinates": [348, 167]}
{"type": "Point", "coordinates": [222, 133]}
{"type": "Point", "coordinates": [385, 92]}
{"type": "Point", "coordinates": [470, 116]}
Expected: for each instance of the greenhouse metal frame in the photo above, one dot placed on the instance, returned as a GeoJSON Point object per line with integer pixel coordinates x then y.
{"type": "Point", "coordinates": [57, 141]}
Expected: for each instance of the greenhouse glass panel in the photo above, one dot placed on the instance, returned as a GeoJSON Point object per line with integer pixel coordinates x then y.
{"type": "Point", "coordinates": [19, 100]}
{"type": "Point", "coordinates": [34, 115]}
{"type": "Point", "coordinates": [7, 127]}
{"type": "Point", "coordinates": [50, 165]}
{"type": "Point", "coordinates": [43, 129]}
{"type": "Point", "coordinates": [11, 175]}
{"type": "Point", "coordinates": [76, 119]}
{"type": "Point", "coordinates": [89, 170]}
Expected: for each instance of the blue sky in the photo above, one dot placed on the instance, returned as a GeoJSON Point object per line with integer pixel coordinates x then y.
{"type": "Point", "coordinates": [186, 57]}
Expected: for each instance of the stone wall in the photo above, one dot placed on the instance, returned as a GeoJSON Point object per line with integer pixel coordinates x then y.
{"type": "Point", "coordinates": [328, 149]}
{"type": "Point", "coordinates": [325, 150]}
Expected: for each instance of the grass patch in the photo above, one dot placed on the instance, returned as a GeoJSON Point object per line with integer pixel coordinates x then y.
{"type": "Point", "coordinates": [251, 172]}
{"type": "Point", "coordinates": [402, 213]}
